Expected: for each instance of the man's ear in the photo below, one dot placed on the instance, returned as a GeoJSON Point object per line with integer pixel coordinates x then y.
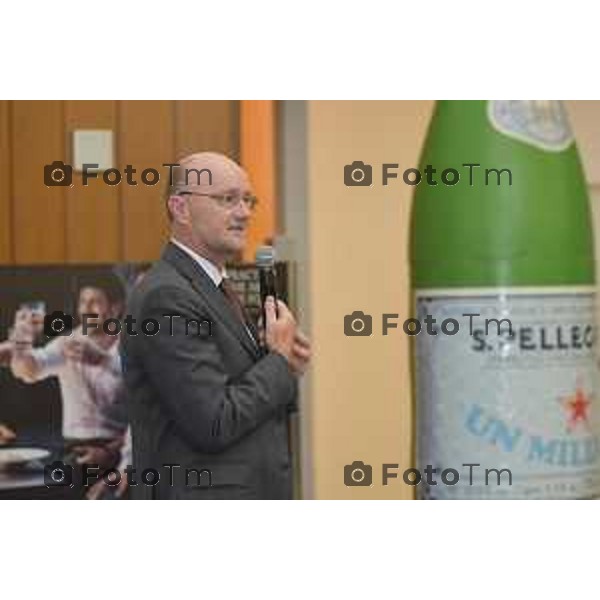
{"type": "Point", "coordinates": [179, 209]}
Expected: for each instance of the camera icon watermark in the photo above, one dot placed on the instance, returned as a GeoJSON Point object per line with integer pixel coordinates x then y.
{"type": "Point", "coordinates": [58, 324]}
{"type": "Point", "coordinates": [358, 324]}
{"type": "Point", "coordinates": [358, 474]}
{"type": "Point", "coordinates": [58, 474]}
{"type": "Point", "coordinates": [58, 174]}
{"type": "Point", "coordinates": [358, 173]}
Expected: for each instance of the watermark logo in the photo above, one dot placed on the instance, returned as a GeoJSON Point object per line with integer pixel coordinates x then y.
{"type": "Point", "coordinates": [59, 174]}
{"type": "Point", "coordinates": [58, 324]}
{"type": "Point", "coordinates": [59, 474]}
{"type": "Point", "coordinates": [358, 323]}
{"type": "Point", "coordinates": [521, 337]}
{"type": "Point", "coordinates": [358, 173]}
{"type": "Point", "coordinates": [359, 474]}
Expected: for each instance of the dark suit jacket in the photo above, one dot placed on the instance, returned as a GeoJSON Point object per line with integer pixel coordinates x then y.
{"type": "Point", "coordinates": [200, 402]}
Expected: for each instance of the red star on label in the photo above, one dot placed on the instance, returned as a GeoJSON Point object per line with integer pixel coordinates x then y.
{"type": "Point", "coordinates": [578, 408]}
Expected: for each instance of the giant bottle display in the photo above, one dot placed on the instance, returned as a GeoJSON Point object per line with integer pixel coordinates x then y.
{"type": "Point", "coordinates": [502, 259]}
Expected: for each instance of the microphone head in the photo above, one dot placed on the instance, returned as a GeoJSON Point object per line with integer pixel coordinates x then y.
{"type": "Point", "coordinates": [265, 257]}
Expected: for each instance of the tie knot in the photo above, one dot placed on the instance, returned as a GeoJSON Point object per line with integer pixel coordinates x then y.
{"type": "Point", "coordinates": [227, 288]}
{"type": "Point", "coordinates": [229, 292]}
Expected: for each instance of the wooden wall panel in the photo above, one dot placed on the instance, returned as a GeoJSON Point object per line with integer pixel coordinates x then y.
{"type": "Point", "coordinates": [98, 223]}
{"type": "Point", "coordinates": [6, 254]}
{"type": "Point", "coordinates": [93, 223]}
{"type": "Point", "coordinates": [146, 140]}
{"type": "Point", "coordinates": [37, 134]}
{"type": "Point", "coordinates": [203, 125]}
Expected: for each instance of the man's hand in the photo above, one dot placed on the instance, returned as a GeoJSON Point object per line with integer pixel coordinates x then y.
{"type": "Point", "coordinates": [6, 349]}
{"type": "Point", "coordinates": [78, 349]}
{"type": "Point", "coordinates": [100, 488]}
{"type": "Point", "coordinates": [6, 434]}
{"type": "Point", "coordinates": [22, 334]}
{"type": "Point", "coordinates": [281, 330]}
{"type": "Point", "coordinates": [23, 316]}
{"type": "Point", "coordinates": [22, 363]}
{"type": "Point", "coordinates": [300, 353]}
{"type": "Point", "coordinates": [102, 456]}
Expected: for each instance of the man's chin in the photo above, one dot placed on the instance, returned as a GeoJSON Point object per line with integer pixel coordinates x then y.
{"type": "Point", "coordinates": [236, 244]}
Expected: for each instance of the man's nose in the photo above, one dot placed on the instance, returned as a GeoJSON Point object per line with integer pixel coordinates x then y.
{"type": "Point", "coordinates": [243, 211]}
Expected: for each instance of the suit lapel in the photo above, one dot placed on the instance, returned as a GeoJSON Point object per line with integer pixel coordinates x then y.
{"type": "Point", "coordinates": [215, 299]}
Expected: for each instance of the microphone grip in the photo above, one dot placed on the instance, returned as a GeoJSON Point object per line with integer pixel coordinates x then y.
{"type": "Point", "coordinates": [268, 287]}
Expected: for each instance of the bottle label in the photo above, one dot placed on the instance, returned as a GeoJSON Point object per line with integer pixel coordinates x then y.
{"type": "Point", "coordinates": [540, 123]}
{"type": "Point", "coordinates": [511, 392]}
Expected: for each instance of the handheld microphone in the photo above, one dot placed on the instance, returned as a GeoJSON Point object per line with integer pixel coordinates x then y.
{"type": "Point", "coordinates": [265, 261]}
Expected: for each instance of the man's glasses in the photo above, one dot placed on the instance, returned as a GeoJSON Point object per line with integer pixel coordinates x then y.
{"type": "Point", "coordinates": [226, 200]}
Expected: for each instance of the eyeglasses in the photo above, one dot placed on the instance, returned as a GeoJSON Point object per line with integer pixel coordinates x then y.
{"type": "Point", "coordinates": [226, 200]}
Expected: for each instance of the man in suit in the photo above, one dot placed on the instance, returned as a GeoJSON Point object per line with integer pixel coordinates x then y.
{"type": "Point", "coordinates": [213, 402]}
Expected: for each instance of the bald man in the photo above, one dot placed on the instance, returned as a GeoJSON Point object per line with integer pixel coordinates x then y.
{"type": "Point", "coordinates": [209, 397]}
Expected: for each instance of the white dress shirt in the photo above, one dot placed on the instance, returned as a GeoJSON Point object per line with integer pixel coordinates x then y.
{"type": "Point", "coordinates": [214, 272]}
{"type": "Point", "coordinates": [88, 391]}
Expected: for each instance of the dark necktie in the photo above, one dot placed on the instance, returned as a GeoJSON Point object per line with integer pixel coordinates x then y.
{"type": "Point", "coordinates": [231, 295]}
